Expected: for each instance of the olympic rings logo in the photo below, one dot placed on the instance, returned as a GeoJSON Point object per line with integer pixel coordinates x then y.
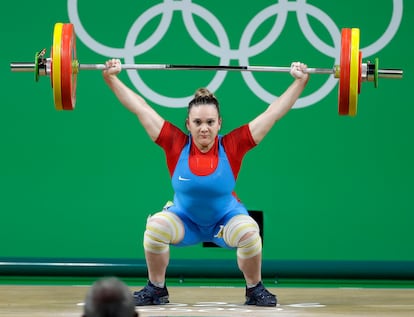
{"type": "Point", "coordinates": [223, 51]}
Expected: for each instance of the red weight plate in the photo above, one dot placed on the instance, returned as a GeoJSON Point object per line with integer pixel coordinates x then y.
{"type": "Point", "coordinates": [360, 72]}
{"type": "Point", "coordinates": [68, 77]}
{"type": "Point", "coordinates": [343, 95]}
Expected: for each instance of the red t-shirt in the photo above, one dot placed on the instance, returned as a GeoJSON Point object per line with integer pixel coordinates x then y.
{"type": "Point", "coordinates": [236, 144]}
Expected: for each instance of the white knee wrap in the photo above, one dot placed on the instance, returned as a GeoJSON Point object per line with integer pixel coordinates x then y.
{"type": "Point", "coordinates": [236, 229]}
{"type": "Point", "coordinates": [162, 229]}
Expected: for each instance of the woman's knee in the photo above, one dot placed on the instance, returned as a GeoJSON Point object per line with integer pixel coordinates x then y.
{"type": "Point", "coordinates": [162, 229]}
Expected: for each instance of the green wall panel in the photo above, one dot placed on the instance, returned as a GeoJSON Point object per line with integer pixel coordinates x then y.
{"type": "Point", "coordinates": [81, 184]}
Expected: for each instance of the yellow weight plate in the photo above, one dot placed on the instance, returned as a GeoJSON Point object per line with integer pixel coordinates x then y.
{"type": "Point", "coordinates": [56, 65]}
{"type": "Point", "coordinates": [354, 72]}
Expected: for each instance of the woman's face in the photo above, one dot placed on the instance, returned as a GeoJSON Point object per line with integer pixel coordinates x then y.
{"type": "Point", "coordinates": [204, 123]}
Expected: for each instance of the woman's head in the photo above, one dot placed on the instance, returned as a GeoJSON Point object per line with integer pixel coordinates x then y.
{"type": "Point", "coordinates": [203, 96]}
{"type": "Point", "coordinates": [109, 296]}
{"type": "Point", "coordinates": [203, 120]}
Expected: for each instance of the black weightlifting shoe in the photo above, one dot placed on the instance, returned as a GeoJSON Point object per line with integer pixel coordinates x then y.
{"type": "Point", "coordinates": [151, 295]}
{"type": "Point", "coordinates": [260, 296]}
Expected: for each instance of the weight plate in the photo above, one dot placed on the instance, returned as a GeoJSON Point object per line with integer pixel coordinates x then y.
{"type": "Point", "coordinates": [343, 91]}
{"type": "Point", "coordinates": [68, 78]}
{"type": "Point", "coordinates": [354, 72]}
{"type": "Point", "coordinates": [56, 62]}
{"type": "Point", "coordinates": [360, 72]}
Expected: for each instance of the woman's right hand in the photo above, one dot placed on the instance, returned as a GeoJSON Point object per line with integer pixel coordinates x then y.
{"type": "Point", "coordinates": [298, 71]}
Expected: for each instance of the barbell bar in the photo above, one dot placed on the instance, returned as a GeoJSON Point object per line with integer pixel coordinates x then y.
{"type": "Point", "coordinates": [63, 67]}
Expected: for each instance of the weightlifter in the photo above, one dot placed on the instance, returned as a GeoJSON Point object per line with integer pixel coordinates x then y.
{"type": "Point", "coordinates": [203, 166]}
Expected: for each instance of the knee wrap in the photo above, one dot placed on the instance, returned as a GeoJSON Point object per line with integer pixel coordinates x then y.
{"type": "Point", "coordinates": [236, 229]}
{"type": "Point", "coordinates": [162, 229]}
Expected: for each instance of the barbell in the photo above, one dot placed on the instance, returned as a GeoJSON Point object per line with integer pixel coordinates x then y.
{"type": "Point", "coordinates": [63, 67]}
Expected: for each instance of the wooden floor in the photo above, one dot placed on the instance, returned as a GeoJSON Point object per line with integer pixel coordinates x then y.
{"type": "Point", "coordinates": [45, 301]}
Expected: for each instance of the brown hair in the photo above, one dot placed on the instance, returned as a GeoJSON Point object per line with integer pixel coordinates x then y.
{"type": "Point", "coordinates": [109, 296]}
{"type": "Point", "coordinates": [203, 96]}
